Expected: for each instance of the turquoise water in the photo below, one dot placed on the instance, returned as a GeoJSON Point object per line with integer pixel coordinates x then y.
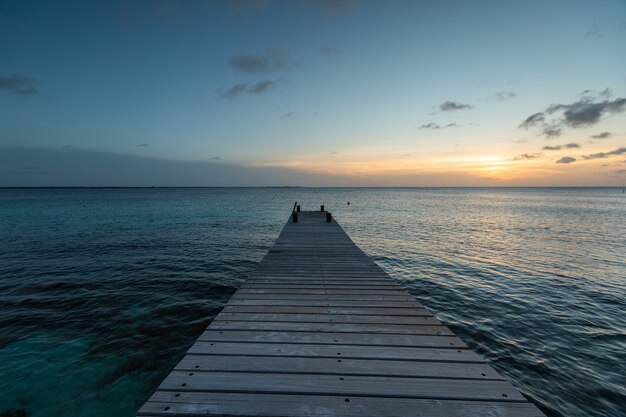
{"type": "Point", "coordinates": [103, 290]}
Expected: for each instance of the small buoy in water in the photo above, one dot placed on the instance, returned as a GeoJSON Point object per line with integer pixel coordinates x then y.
{"type": "Point", "coordinates": [348, 203]}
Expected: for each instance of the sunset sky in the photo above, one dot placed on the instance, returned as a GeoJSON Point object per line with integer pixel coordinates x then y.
{"type": "Point", "coordinates": [330, 93]}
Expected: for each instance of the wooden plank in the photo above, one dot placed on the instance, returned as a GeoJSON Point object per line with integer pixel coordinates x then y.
{"type": "Point", "coordinates": [338, 297]}
{"type": "Point", "coordinates": [328, 303]}
{"type": "Point", "coordinates": [170, 403]}
{"type": "Point", "coordinates": [362, 386]}
{"type": "Point", "coordinates": [327, 318]}
{"type": "Point", "coordinates": [343, 366]}
{"type": "Point", "coordinates": [335, 351]}
{"type": "Point", "coordinates": [373, 311]}
{"type": "Point", "coordinates": [330, 327]}
{"type": "Point", "coordinates": [363, 339]}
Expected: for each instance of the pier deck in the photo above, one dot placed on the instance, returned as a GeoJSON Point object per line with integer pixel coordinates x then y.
{"type": "Point", "coordinates": [318, 329]}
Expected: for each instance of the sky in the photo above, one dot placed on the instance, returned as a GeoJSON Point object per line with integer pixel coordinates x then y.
{"type": "Point", "coordinates": [312, 93]}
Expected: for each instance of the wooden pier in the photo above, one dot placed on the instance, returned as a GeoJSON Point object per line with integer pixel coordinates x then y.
{"type": "Point", "coordinates": [318, 329]}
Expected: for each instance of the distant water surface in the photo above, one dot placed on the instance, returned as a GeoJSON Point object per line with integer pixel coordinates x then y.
{"type": "Point", "coordinates": [103, 290]}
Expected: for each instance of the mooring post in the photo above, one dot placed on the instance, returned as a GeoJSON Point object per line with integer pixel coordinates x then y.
{"type": "Point", "coordinates": [298, 208]}
{"type": "Point", "coordinates": [294, 217]}
{"type": "Point", "coordinates": [322, 207]}
{"type": "Point", "coordinates": [329, 217]}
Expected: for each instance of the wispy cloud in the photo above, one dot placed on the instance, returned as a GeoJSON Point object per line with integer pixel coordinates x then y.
{"type": "Point", "coordinates": [255, 88]}
{"type": "Point", "coordinates": [602, 135]}
{"type": "Point", "coordinates": [526, 156]}
{"type": "Point", "coordinates": [551, 131]}
{"type": "Point", "coordinates": [566, 160]}
{"type": "Point", "coordinates": [267, 62]}
{"type": "Point", "coordinates": [214, 158]}
{"type": "Point", "coordinates": [454, 105]}
{"type": "Point", "coordinates": [434, 126]}
{"type": "Point", "coordinates": [143, 145]}
{"type": "Point", "coordinates": [19, 85]}
{"type": "Point", "coordinates": [572, 145]}
{"type": "Point", "coordinates": [600, 155]}
{"type": "Point", "coordinates": [501, 95]}
{"type": "Point", "coordinates": [533, 120]}
{"type": "Point", "coordinates": [287, 115]}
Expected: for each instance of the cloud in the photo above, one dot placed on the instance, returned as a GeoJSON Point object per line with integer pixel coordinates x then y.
{"type": "Point", "coordinates": [434, 126]}
{"type": "Point", "coordinates": [245, 88]}
{"type": "Point", "coordinates": [214, 158]}
{"type": "Point", "coordinates": [566, 160]}
{"type": "Point", "coordinates": [526, 156]}
{"type": "Point", "coordinates": [551, 131]}
{"type": "Point", "coordinates": [454, 105]}
{"type": "Point", "coordinates": [267, 62]}
{"type": "Point", "coordinates": [558, 147]}
{"type": "Point", "coordinates": [287, 115]}
{"type": "Point", "coordinates": [19, 85]}
{"type": "Point", "coordinates": [600, 155]}
{"type": "Point", "coordinates": [522, 140]}
{"type": "Point", "coordinates": [502, 95]}
{"type": "Point", "coordinates": [533, 120]}
{"type": "Point", "coordinates": [330, 51]}
{"type": "Point", "coordinates": [143, 145]}
{"type": "Point", "coordinates": [602, 135]}
{"type": "Point", "coordinates": [620, 171]}
{"type": "Point", "coordinates": [585, 112]}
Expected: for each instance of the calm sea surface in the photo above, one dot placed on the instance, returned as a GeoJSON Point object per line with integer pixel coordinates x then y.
{"type": "Point", "coordinates": [103, 290]}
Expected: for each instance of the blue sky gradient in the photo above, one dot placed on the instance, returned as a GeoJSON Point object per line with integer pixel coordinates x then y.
{"type": "Point", "coordinates": [341, 92]}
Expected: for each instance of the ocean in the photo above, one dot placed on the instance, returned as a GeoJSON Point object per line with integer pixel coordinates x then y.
{"type": "Point", "coordinates": [103, 290]}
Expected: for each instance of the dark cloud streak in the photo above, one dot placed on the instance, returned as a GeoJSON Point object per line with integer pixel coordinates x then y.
{"type": "Point", "coordinates": [454, 105]}
{"type": "Point", "coordinates": [566, 160]}
{"type": "Point", "coordinates": [602, 135]}
{"type": "Point", "coordinates": [601, 155]}
{"type": "Point", "coordinates": [268, 62]}
{"type": "Point", "coordinates": [255, 89]}
{"type": "Point", "coordinates": [19, 85]}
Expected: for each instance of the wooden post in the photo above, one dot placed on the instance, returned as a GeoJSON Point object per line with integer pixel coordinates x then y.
{"type": "Point", "coordinates": [322, 207]}
{"type": "Point", "coordinates": [329, 217]}
{"type": "Point", "coordinates": [294, 217]}
{"type": "Point", "coordinates": [298, 208]}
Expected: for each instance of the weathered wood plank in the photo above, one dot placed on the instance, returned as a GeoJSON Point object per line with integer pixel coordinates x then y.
{"type": "Point", "coordinates": [363, 386]}
{"type": "Point", "coordinates": [370, 311]}
{"type": "Point", "coordinates": [327, 318]}
{"type": "Point", "coordinates": [363, 339]}
{"type": "Point", "coordinates": [330, 327]}
{"type": "Point", "coordinates": [343, 366]}
{"type": "Point", "coordinates": [171, 403]}
{"type": "Point", "coordinates": [337, 351]}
